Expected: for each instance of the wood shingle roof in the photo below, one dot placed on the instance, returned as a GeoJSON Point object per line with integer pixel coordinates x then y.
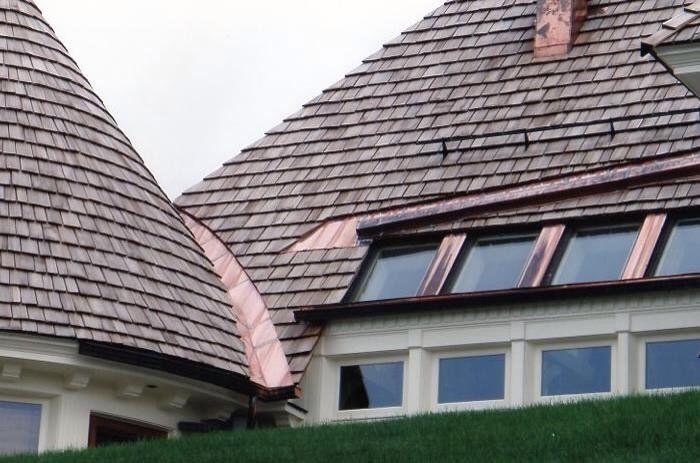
{"type": "Point", "coordinates": [456, 105]}
{"type": "Point", "coordinates": [90, 246]}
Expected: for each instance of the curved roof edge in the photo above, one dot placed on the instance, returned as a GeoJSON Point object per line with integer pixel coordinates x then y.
{"type": "Point", "coordinates": [267, 361]}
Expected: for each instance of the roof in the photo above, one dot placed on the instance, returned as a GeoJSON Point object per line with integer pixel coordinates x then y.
{"type": "Point", "coordinates": [90, 246]}
{"type": "Point", "coordinates": [455, 106]}
{"type": "Point", "coordinates": [682, 28]}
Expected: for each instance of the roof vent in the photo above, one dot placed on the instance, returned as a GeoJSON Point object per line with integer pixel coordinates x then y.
{"type": "Point", "coordinates": [558, 24]}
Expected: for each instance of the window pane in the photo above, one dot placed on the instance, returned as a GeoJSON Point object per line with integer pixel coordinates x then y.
{"type": "Point", "coordinates": [595, 255]}
{"type": "Point", "coordinates": [682, 252]}
{"type": "Point", "coordinates": [673, 364]}
{"type": "Point", "coordinates": [19, 428]}
{"type": "Point", "coordinates": [371, 386]}
{"type": "Point", "coordinates": [471, 379]}
{"type": "Point", "coordinates": [397, 272]}
{"type": "Point", "coordinates": [576, 371]}
{"type": "Point", "coordinates": [493, 263]}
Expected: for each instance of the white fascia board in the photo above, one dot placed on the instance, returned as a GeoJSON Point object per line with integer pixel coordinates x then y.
{"type": "Point", "coordinates": [62, 355]}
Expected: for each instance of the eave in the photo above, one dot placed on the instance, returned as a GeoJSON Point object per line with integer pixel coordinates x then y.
{"type": "Point", "coordinates": [325, 313]}
{"type": "Point", "coordinates": [185, 368]}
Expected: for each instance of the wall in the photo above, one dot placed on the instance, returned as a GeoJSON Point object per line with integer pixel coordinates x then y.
{"type": "Point", "coordinates": [70, 387]}
{"type": "Point", "coordinates": [624, 322]}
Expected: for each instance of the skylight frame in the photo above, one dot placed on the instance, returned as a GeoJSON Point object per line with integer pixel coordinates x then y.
{"type": "Point", "coordinates": [661, 246]}
{"type": "Point", "coordinates": [373, 257]}
{"type": "Point", "coordinates": [468, 247]}
{"type": "Point", "coordinates": [570, 234]}
{"type": "Point", "coordinates": [552, 239]}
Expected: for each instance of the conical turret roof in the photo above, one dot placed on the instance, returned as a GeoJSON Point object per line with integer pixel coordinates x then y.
{"type": "Point", "coordinates": [90, 246]}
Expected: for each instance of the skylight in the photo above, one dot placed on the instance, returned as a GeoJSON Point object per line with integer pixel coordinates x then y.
{"type": "Point", "coordinates": [597, 254]}
{"type": "Point", "coordinates": [494, 262]}
{"type": "Point", "coordinates": [397, 271]}
{"type": "Point", "coordinates": [682, 252]}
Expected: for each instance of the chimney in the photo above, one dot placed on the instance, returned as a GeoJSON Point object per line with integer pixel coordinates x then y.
{"type": "Point", "coordinates": [558, 24]}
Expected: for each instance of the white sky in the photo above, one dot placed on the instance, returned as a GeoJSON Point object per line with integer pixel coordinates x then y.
{"type": "Point", "coordinates": [192, 82]}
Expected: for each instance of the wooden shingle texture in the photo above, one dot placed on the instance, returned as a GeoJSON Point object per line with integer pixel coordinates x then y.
{"type": "Point", "coordinates": [464, 75]}
{"type": "Point", "coordinates": [90, 246]}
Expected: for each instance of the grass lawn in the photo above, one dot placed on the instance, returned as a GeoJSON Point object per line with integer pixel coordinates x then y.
{"type": "Point", "coordinates": [636, 429]}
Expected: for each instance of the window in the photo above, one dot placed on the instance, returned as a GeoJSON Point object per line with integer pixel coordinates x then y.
{"type": "Point", "coordinates": [595, 255]}
{"type": "Point", "coordinates": [576, 371]}
{"type": "Point", "coordinates": [472, 379]}
{"type": "Point", "coordinates": [682, 252]}
{"type": "Point", "coordinates": [105, 431]}
{"type": "Point", "coordinates": [376, 385]}
{"type": "Point", "coordinates": [672, 364]}
{"type": "Point", "coordinates": [397, 271]}
{"type": "Point", "coordinates": [19, 427]}
{"type": "Point", "coordinates": [493, 263]}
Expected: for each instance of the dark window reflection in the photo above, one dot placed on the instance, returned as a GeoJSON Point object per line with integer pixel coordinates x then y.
{"type": "Point", "coordinates": [595, 255]}
{"type": "Point", "coordinates": [682, 252]}
{"type": "Point", "coordinates": [493, 263]}
{"type": "Point", "coordinates": [397, 272]}
{"type": "Point", "coordinates": [576, 371]}
{"type": "Point", "coordinates": [471, 379]}
{"type": "Point", "coordinates": [673, 364]}
{"type": "Point", "coordinates": [371, 386]}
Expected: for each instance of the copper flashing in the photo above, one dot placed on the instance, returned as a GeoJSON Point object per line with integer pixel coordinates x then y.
{"type": "Point", "coordinates": [267, 361]}
{"type": "Point", "coordinates": [643, 249]}
{"type": "Point", "coordinates": [558, 24]}
{"type": "Point", "coordinates": [340, 233]}
{"type": "Point", "coordinates": [480, 300]}
{"type": "Point", "coordinates": [442, 264]}
{"type": "Point", "coordinates": [541, 256]}
{"type": "Point", "coordinates": [599, 180]}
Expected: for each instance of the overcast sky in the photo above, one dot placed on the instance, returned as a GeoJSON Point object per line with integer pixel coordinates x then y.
{"type": "Point", "coordinates": [193, 82]}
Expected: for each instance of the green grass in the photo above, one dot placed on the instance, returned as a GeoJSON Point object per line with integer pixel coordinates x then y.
{"type": "Point", "coordinates": [636, 429]}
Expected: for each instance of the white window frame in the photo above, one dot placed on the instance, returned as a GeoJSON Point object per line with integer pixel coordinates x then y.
{"type": "Point", "coordinates": [642, 359]}
{"type": "Point", "coordinates": [539, 348]}
{"type": "Point", "coordinates": [471, 405]}
{"type": "Point", "coordinates": [369, 413]}
{"type": "Point", "coordinates": [45, 415]}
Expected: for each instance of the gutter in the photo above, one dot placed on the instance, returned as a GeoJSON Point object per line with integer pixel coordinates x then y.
{"type": "Point", "coordinates": [229, 380]}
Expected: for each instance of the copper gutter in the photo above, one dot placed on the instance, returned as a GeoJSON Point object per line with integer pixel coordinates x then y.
{"type": "Point", "coordinates": [491, 298]}
{"type": "Point", "coordinates": [267, 361]}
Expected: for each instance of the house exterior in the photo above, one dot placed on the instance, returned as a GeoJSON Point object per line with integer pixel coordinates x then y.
{"type": "Point", "coordinates": [498, 208]}
{"type": "Point", "coordinates": [113, 323]}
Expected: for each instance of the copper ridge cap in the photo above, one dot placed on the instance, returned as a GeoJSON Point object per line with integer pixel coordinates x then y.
{"type": "Point", "coordinates": [267, 362]}
{"type": "Point", "coordinates": [602, 178]}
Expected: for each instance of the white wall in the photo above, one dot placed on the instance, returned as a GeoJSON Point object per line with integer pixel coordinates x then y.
{"type": "Point", "coordinates": [521, 331]}
{"type": "Point", "coordinates": [70, 387]}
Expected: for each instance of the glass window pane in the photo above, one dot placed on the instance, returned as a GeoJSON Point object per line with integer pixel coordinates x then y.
{"type": "Point", "coordinates": [397, 272]}
{"type": "Point", "coordinates": [19, 428]}
{"type": "Point", "coordinates": [682, 252]}
{"type": "Point", "coordinates": [595, 255]}
{"type": "Point", "coordinates": [471, 379]}
{"type": "Point", "coordinates": [673, 364]}
{"type": "Point", "coordinates": [576, 371]}
{"type": "Point", "coordinates": [371, 386]}
{"type": "Point", "coordinates": [493, 263]}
